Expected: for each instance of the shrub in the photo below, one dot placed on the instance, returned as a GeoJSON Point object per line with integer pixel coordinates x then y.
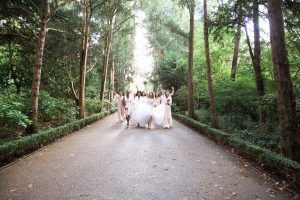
{"type": "Point", "coordinates": [93, 105]}
{"type": "Point", "coordinates": [236, 122]}
{"type": "Point", "coordinates": [12, 117]}
{"type": "Point", "coordinates": [202, 115]}
{"type": "Point", "coordinates": [180, 99]}
{"type": "Point", "coordinates": [56, 109]}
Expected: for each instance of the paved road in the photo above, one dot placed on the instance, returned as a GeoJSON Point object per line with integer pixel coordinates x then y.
{"type": "Point", "coordinates": [107, 161]}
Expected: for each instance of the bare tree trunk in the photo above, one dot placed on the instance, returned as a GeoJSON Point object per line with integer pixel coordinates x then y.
{"type": "Point", "coordinates": [83, 58]}
{"type": "Point", "coordinates": [236, 49]}
{"type": "Point", "coordinates": [107, 47]}
{"type": "Point", "coordinates": [34, 99]}
{"type": "Point", "coordinates": [289, 125]}
{"type": "Point", "coordinates": [111, 81]}
{"type": "Point", "coordinates": [191, 62]}
{"type": "Point", "coordinates": [249, 44]}
{"type": "Point", "coordinates": [213, 113]}
{"type": "Point", "coordinates": [257, 64]}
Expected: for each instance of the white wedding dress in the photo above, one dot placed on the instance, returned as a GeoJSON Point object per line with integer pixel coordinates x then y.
{"type": "Point", "coordinates": [158, 112]}
{"type": "Point", "coordinates": [142, 109]}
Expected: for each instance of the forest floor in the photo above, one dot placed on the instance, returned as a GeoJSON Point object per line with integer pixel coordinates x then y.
{"type": "Point", "coordinates": [107, 161]}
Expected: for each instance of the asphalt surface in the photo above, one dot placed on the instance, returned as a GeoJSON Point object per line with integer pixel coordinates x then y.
{"type": "Point", "coordinates": [107, 161]}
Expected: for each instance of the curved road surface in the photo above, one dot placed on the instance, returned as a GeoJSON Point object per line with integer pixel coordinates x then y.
{"type": "Point", "coordinates": [107, 161]}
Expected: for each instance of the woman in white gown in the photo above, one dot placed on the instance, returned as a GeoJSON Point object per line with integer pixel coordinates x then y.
{"type": "Point", "coordinates": [158, 111]}
{"type": "Point", "coordinates": [142, 108]}
{"type": "Point", "coordinates": [152, 104]}
{"type": "Point", "coordinates": [167, 101]}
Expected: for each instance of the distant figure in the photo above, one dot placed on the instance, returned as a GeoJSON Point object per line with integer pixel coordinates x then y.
{"type": "Point", "coordinates": [168, 113]}
{"type": "Point", "coordinates": [120, 99]}
{"type": "Point", "coordinates": [129, 101]}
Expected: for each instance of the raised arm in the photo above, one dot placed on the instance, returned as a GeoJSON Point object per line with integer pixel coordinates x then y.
{"type": "Point", "coordinates": [173, 90]}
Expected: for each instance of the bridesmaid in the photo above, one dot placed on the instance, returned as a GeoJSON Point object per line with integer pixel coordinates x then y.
{"type": "Point", "coordinates": [129, 102]}
{"type": "Point", "coordinates": [168, 113]}
{"type": "Point", "coordinates": [152, 105]}
{"type": "Point", "coordinates": [120, 99]}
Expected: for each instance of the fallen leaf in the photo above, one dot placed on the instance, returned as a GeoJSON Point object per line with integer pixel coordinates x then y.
{"type": "Point", "coordinates": [84, 195]}
{"type": "Point", "coordinates": [279, 188]}
{"type": "Point", "coordinates": [233, 194]}
{"type": "Point", "coordinates": [30, 185]}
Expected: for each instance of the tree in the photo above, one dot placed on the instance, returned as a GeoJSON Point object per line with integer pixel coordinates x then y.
{"type": "Point", "coordinates": [83, 56]}
{"type": "Point", "coordinates": [237, 40]}
{"type": "Point", "coordinates": [34, 99]}
{"type": "Point", "coordinates": [213, 113]}
{"type": "Point", "coordinates": [257, 63]}
{"type": "Point", "coordinates": [288, 121]}
{"type": "Point", "coordinates": [45, 15]}
{"type": "Point", "coordinates": [111, 81]}
{"type": "Point", "coordinates": [107, 47]}
{"type": "Point", "coordinates": [191, 61]}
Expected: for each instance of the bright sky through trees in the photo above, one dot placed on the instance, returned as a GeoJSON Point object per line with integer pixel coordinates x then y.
{"type": "Point", "coordinates": [143, 58]}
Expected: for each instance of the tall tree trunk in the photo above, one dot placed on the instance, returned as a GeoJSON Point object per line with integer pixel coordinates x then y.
{"type": "Point", "coordinates": [249, 44]}
{"type": "Point", "coordinates": [83, 57]}
{"type": "Point", "coordinates": [289, 125]}
{"type": "Point", "coordinates": [111, 81]}
{"type": "Point", "coordinates": [191, 62]}
{"type": "Point", "coordinates": [213, 113]}
{"type": "Point", "coordinates": [107, 47]}
{"type": "Point", "coordinates": [257, 64]}
{"type": "Point", "coordinates": [237, 39]}
{"type": "Point", "coordinates": [34, 99]}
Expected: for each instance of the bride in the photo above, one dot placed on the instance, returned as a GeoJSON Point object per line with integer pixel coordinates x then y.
{"type": "Point", "coordinates": [153, 109]}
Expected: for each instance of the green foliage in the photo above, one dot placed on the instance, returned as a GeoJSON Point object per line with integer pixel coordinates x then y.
{"type": "Point", "coordinates": [180, 99]}
{"type": "Point", "coordinates": [12, 117]}
{"type": "Point", "coordinates": [61, 110]}
{"type": "Point", "coordinates": [93, 105]}
{"type": "Point", "coordinates": [202, 115]}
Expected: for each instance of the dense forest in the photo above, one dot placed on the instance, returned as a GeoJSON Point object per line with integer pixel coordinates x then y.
{"type": "Point", "coordinates": [239, 75]}
{"type": "Point", "coordinates": [59, 60]}
{"type": "Point", "coordinates": [234, 64]}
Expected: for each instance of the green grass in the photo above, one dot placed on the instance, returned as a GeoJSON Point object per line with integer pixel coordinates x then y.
{"type": "Point", "coordinates": [16, 148]}
{"type": "Point", "coordinates": [271, 159]}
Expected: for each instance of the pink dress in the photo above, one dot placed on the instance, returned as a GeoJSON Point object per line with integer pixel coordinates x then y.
{"type": "Point", "coordinates": [120, 106]}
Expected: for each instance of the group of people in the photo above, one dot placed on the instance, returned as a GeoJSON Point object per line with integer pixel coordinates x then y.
{"type": "Point", "coordinates": [145, 109]}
